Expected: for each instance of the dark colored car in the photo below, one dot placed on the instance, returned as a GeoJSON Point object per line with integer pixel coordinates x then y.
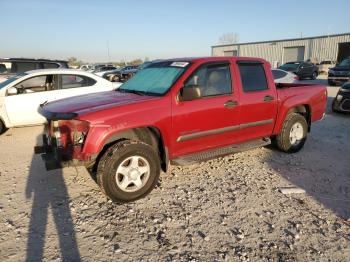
{"type": "Point", "coordinates": [341, 102]}
{"type": "Point", "coordinates": [301, 69]}
{"type": "Point", "coordinates": [122, 74]}
{"type": "Point", "coordinates": [104, 68]}
{"type": "Point", "coordinates": [340, 73]}
{"type": "Point", "coordinates": [13, 66]}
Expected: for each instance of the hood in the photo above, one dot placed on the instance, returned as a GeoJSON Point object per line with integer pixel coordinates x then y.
{"type": "Point", "coordinates": [91, 102]}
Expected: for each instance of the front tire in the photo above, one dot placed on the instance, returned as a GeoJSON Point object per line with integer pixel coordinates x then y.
{"type": "Point", "coordinates": [331, 83]}
{"type": "Point", "coordinates": [293, 134]}
{"type": "Point", "coordinates": [2, 127]}
{"type": "Point", "coordinates": [128, 171]}
{"type": "Point", "coordinates": [334, 109]}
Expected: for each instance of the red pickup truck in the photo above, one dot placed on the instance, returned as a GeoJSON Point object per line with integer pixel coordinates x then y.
{"type": "Point", "coordinates": [177, 111]}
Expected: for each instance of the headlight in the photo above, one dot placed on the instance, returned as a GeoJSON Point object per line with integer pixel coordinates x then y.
{"type": "Point", "coordinates": [74, 132]}
{"type": "Point", "coordinates": [330, 71]}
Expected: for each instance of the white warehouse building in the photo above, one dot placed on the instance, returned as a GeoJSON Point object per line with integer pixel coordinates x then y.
{"type": "Point", "coordinates": [318, 48]}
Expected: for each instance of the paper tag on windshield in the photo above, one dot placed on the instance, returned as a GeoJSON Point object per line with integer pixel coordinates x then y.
{"type": "Point", "coordinates": [179, 64]}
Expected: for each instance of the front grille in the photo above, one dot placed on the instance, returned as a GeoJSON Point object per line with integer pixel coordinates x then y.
{"type": "Point", "coordinates": [346, 105]}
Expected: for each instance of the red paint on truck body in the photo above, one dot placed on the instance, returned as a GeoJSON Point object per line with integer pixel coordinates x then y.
{"type": "Point", "coordinates": [112, 112]}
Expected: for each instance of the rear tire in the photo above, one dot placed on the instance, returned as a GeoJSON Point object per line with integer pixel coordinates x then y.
{"type": "Point", "coordinates": [128, 171]}
{"type": "Point", "coordinates": [314, 76]}
{"type": "Point", "coordinates": [293, 134]}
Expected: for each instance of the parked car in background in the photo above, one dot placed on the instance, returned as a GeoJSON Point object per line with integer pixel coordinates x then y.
{"type": "Point", "coordinates": [340, 73]}
{"type": "Point", "coordinates": [324, 66]}
{"type": "Point", "coordinates": [341, 102]}
{"type": "Point", "coordinates": [178, 111]}
{"type": "Point", "coordinates": [21, 95]}
{"type": "Point", "coordinates": [94, 68]}
{"type": "Point", "coordinates": [12, 66]}
{"type": "Point", "coordinates": [282, 76]}
{"type": "Point", "coordinates": [100, 70]}
{"type": "Point", "coordinates": [85, 67]}
{"type": "Point", "coordinates": [121, 75]}
{"type": "Point", "coordinates": [301, 69]}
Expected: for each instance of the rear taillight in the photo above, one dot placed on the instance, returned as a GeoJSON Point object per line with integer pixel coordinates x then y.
{"type": "Point", "coordinates": [296, 78]}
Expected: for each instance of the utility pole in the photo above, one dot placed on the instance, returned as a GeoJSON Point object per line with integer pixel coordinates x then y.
{"type": "Point", "coordinates": [109, 58]}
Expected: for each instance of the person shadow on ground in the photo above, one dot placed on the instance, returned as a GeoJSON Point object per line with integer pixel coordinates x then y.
{"type": "Point", "coordinates": [48, 191]}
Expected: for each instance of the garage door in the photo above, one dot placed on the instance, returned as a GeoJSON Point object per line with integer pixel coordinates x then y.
{"type": "Point", "coordinates": [291, 54]}
{"type": "Point", "coordinates": [230, 53]}
{"type": "Point", "coordinates": [343, 51]}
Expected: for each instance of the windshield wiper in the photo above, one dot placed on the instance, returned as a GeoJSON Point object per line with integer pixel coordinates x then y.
{"type": "Point", "coordinates": [141, 93]}
{"type": "Point", "coordinates": [138, 92]}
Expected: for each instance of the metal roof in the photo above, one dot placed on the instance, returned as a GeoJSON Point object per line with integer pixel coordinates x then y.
{"type": "Point", "coordinates": [30, 59]}
{"type": "Point", "coordinates": [281, 40]}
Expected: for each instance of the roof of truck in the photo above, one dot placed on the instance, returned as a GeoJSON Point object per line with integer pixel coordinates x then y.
{"type": "Point", "coordinates": [213, 58]}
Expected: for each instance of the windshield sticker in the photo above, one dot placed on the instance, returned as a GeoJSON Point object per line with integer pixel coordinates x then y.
{"type": "Point", "coordinates": [179, 64]}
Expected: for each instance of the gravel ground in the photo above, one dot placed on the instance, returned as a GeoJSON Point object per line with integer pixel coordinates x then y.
{"type": "Point", "coordinates": [228, 209]}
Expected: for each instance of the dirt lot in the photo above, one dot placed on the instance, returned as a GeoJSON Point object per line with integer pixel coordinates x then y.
{"type": "Point", "coordinates": [227, 209]}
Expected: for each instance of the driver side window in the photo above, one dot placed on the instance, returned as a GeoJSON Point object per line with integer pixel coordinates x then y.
{"type": "Point", "coordinates": [35, 84]}
{"type": "Point", "coordinates": [212, 80]}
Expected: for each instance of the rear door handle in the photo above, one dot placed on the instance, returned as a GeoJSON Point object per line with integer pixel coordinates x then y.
{"type": "Point", "coordinates": [230, 103]}
{"type": "Point", "coordinates": [268, 98]}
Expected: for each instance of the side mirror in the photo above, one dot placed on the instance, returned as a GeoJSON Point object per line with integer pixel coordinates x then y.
{"type": "Point", "coordinates": [12, 91]}
{"type": "Point", "coordinates": [189, 93]}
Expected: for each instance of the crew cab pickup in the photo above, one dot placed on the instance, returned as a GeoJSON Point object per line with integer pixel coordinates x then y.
{"type": "Point", "coordinates": [178, 111]}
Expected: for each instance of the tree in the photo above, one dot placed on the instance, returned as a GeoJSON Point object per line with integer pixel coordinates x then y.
{"type": "Point", "coordinates": [73, 61]}
{"type": "Point", "coordinates": [229, 38]}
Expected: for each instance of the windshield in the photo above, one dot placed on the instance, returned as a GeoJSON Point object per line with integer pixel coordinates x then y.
{"type": "Point", "coordinates": [11, 79]}
{"type": "Point", "coordinates": [144, 65]}
{"type": "Point", "coordinates": [345, 62]}
{"type": "Point", "coordinates": [290, 67]}
{"type": "Point", "coordinates": [155, 79]}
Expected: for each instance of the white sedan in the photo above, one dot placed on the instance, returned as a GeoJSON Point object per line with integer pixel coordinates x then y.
{"type": "Point", "coordinates": [282, 76]}
{"type": "Point", "coordinates": [21, 95]}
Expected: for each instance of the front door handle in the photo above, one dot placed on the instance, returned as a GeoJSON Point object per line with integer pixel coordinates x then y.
{"type": "Point", "coordinates": [230, 103]}
{"type": "Point", "coordinates": [268, 98]}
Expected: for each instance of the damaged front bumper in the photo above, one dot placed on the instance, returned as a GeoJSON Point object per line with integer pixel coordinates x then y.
{"type": "Point", "coordinates": [56, 157]}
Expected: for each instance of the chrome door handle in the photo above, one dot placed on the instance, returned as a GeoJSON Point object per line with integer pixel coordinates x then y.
{"type": "Point", "coordinates": [268, 98]}
{"type": "Point", "coordinates": [230, 103]}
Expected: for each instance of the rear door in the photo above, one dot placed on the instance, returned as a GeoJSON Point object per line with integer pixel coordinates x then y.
{"type": "Point", "coordinates": [211, 120]}
{"type": "Point", "coordinates": [307, 69]}
{"type": "Point", "coordinates": [258, 101]}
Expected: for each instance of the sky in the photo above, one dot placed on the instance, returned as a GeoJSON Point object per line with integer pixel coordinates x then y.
{"type": "Point", "coordinates": [87, 29]}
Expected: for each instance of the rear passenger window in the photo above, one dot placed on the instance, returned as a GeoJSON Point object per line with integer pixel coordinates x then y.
{"type": "Point", "coordinates": [20, 67]}
{"type": "Point", "coordinates": [278, 74]}
{"type": "Point", "coordinates": [253, 77]}
{"type": "Point", "coordinates": [74, 81]}
{"type": "Point", "coordinates": [50, 65]}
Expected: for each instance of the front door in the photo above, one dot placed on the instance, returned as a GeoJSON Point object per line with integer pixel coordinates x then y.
{"type": "Point", "coordinates": [212, 119]}
{"type": "Point", "coordinates": [22, 108]}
